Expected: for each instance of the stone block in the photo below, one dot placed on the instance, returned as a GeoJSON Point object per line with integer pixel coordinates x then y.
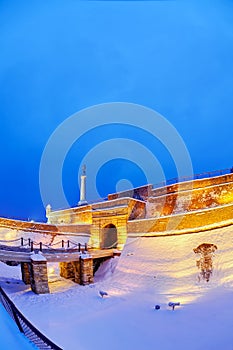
{"type": "Point", "coordinates": [87, 276]}
{"type": "Point", "coordinates": [25, 270]}
{"type": "Point", "coordinates": [38, 274]}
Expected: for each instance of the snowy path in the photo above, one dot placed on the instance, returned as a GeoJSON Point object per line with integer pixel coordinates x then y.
{"type": "Point", "coordinates": [151, 271]}
{"type": "Point", "coordinates": [10, 337]}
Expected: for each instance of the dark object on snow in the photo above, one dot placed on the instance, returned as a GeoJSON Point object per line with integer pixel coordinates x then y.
{"type": "Point", "coordinates": [205, 263]}
{"type": "Point", "coordinates": [173, 305]}
{"type": "Point", "coordinates": [157, 307]}
{"type": "Point", "coordinates": [102, 293]}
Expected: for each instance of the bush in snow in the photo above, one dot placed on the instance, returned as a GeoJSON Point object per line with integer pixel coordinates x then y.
{"type": "Point", "coordinates": [173, 305]}
{"type": "Point", "coordinates": [102, 293]}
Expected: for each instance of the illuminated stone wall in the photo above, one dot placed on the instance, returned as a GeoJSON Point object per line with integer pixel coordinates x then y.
{"type": "Point", "coordinates": [117, 217]}
{"type": "Point", "coordinates": [196, 204]}
{"type": "Point", "coordinates": [187, 221]}
{"type": "Point", "coordinates": [71, 216]}
{"type": "Point", "coordinates": [141, 193]}
{"type": "Point", "coordinates": [38, 274]}
{"type": "Point", "coordinates": [80, 271]}
{"type": "Point", "coordinates": [198, 183]}
{"type": "Point", "coordinates": [24, 226]}
{"type": "Point", "coordinates": [136, 208]}
{"type": "Point", "coordinates": [28, 226]}
{"type": "Point", "coordinates": [191, 199]}
{"type": "Point", "coordinates": [83, 214]}
{"type": "Point", "coordinates": [92, 219]}
{"type": "Point", "coordinates": [78, 228]}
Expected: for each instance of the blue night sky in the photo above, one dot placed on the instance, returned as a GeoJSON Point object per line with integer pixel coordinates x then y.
{"type": "Point", "coordinates": [58, 57]}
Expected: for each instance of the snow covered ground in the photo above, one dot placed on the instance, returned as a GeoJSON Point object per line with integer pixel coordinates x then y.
{"type": "Point", "coordinates": [151, 271]}
{"type": "Point", "coordinates": [10, 336]}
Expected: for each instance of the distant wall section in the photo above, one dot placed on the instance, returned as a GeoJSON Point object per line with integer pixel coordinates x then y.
{"type": "Point", "coordinates": [190, 196]}
{"type": "Point", "coordinates": [194, 221]}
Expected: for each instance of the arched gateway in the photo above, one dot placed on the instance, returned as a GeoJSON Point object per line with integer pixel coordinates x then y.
{"type": "Point", "coordinates": [109, 237]}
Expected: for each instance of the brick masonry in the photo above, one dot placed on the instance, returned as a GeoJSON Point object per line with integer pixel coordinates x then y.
{"type": "Point", "coordinates": [39, 276]}
{"type": "Point", "coordinates": [25, 270]}
{"type": "Point", "coordinates": [188, 185]}
{"type": "Point", "coordinates": [141, 193]}
{"type": "Point", "coordinates": [185, 221]}
{"type": "Point", "coordinates": [183, 199]}
{"type": "Point", "coordinates": [190, 200]}
{"type": "Point", "coordinates": [80, 271]}
{"type": "Point", "coordinates": [196, 204]}
{"type": "Point", "coordinates": [87, 276]}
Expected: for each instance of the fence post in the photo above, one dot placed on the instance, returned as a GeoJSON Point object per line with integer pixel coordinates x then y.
{"type": "Point", "coordinates": [68, 244]}
{"type": "Point", "coordinates": [79, 247]}
{"type": "Point", "coordinates": [41, 246]}
{"type": "Point", "coordinates": [29, 242]}
{"type": "Point", "coordinates": [21, 241]}
{"type": "Point", "coordinates": [85, 247]}
{"type": "Point", "coordinates": [62, 243]}
{"type": "Point", "coordinates": [31, 246]}
{"type": "Point", "coordinates": [16, 319]}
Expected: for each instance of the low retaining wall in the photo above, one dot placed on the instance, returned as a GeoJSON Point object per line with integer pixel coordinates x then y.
{"type": "Point", "coordinates": [141, 193]}
{"type": "Point", "coordinates": [80, 271]}
{"type": "Point", "coordinates": [194, 184]}
{"type": "Point", "coordinates": [71, 216]}
{"type": "Point", "coordinates": [28, 226]}
{"type": "Point", "coordinates": [189, 200]}
{"type": "Point", "coordinates": [186, 221]}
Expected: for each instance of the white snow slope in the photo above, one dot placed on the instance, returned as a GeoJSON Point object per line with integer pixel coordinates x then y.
{"type": "Point", "coordinates": [150, 271]}
{"type": "Point", "coordinates": [10, 336]}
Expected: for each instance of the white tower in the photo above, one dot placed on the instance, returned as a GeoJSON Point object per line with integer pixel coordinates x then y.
{"type": "Point", "coordinates": [48, 211]}
{"type": "Point", "coordinates": [83, 200]}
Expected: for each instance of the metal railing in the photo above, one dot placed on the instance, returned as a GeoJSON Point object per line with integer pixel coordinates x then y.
{"type": "Point", "coordinates": [30, 245]}
{"type": "Point", "coordinates": [25, 327]}
{"type": "Point", "coordinates": [204, 175]}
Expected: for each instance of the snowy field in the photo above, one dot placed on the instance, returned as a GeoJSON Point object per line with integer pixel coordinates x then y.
{"type": "Point", "coordinates": [151, 271]}
{"type": "Point", "coordinates": [10, 336]}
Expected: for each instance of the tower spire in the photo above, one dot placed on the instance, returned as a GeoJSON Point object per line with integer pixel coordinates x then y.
{"type": "Point", "coordinates": [83, 200]}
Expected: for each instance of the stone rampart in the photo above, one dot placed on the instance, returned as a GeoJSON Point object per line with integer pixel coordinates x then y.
{"type": "Point", "coordinates": [189, 200]}
{"type": "Point", "coordinates": [187, 221]}
{"type": "Point", "coordinates": [189, 185]}
{"type": "Point", "coordinates": [75, 215]}
{"type": "Point", "coordinates": [28, 226]}
{"type": "Point", "coordinates": [141, 193]}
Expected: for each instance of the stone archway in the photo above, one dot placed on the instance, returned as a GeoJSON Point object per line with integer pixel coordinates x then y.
{"type": "Point", "coordinates": [109, 237]}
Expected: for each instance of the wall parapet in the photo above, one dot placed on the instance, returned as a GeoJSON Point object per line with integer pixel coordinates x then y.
{"type": "Point", "coordinates": [192, 184]}
{"type": "Point", "coordinates": [190, 221]}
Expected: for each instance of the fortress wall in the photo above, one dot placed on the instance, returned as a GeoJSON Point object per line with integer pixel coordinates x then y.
{"type": "Point", "coordinates": [82, 217]}
{"type": "Point", "coordinates": [71, 216]}
{"type": "Point", "coordinates": [196, 199]}
{"type": "Point", "coordinates": [80, 228]}
{"type": "Point", "coordinates": [141, 193]}
{"type": "Point", "coordinates": [191, 220]}
{"type": "Point", "coordinates": [188, 185]}
{"type": "Point", "coordinates": [136, 208]}
{"type": "Point", "coordinates": [27, 226]}
{"type": "Point", "coordinates": [111, 203]}
{"type": "Point", "coordinates": [83, 214]}
{"type": "Point", "coordinates": [24, 226]}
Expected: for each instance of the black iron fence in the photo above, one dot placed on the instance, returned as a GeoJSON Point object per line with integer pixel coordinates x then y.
{"type": "Point", "coordinates": [27, 244]}
{"type": "Point", "coordinates": [194, 177]}
{"type": "Point", "coordinates": [25, 327]}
